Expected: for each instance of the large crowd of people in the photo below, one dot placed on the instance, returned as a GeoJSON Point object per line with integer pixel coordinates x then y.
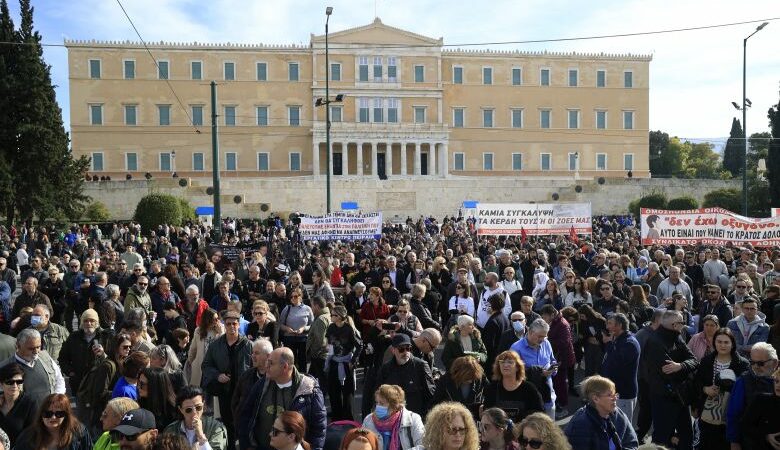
{"type": "Point", "coordinates": [432, 337]}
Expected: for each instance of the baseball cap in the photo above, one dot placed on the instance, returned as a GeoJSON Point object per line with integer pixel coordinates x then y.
{"type": "Point", "coordinates": [136, 421]}
{"type": "Point", "coordinates": [401, 339]}
{"type": "Point", "coordinates": [231, 315]}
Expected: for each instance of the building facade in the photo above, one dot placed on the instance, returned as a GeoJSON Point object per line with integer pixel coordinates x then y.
{"type": "Point", "coordinates": [411, 107]}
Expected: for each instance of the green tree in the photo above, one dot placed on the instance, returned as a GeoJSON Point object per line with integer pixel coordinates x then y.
{"type": "Point", "coordinates": [39, 175]}
{"type": "Point", "coordinates": [659, 142]}
{"type": "Point", "coordinates": [730, 199]}
{"type": "Point", "coordinates": [673, 158]}
{"type": "Point", "coordinates": [758, 147]}
{"type": "Point", "coordinates": [682, 203]}
{"type": "Point", "coordinates": [702, 162]}
{"type": "Point", "coordinates": [655, 200]}
{"type": "Point", "coordinates": [158, 209]}
{"type": "Point", "coordinates": [734, 154]}
{"type": "Point", "coordinates": [773, 157]}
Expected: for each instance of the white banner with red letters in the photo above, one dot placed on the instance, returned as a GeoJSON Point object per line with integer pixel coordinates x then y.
{"type": "Point", "coordinates": [533, 219]}
{"type": "Point", "coordinates": [714, 226]}
{"type": "Point", "coordinates": [341, 226]}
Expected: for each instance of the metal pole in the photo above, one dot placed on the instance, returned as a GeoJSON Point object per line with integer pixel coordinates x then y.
{"type": "Point", "coordinates": [327, 115]}
{"type": "Point", "coordinates": [744, 128]}
{"type": "Point", "coordinates": [215, 163]}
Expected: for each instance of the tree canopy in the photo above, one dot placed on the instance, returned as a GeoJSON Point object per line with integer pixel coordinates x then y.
{"type": "Point", "coordinates": [38, 174]}
{"type": "Point", "coordinates": [671, 157]}
{"type": "Point", "coordinates": [734, 154]}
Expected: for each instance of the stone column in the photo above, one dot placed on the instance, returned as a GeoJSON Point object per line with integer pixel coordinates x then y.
{"type": "Point", "coordinates": [315, 159]}
{"type": "Point", "coordinates": [389, 159]}
{"type": "Point", "coordinates": [417, 152]}
{"type": "Point", "coordinates": [445, 163]}
{"type": "Point", "coordinates": [403, 158]}
{"type": "Point", "coordinates": [374, 163]}
{"type": "Point", "coordinates": [432, 166]}
{"type": "Point", "coordinates": [345, 158]}
{"type": "Point", "coordinates": [359, 158]}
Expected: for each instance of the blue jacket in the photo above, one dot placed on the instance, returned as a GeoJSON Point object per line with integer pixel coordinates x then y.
{"type": "Point", "coordinates": [757, 331]}
{"type": "Point", "coordinates": [587, 430]}
{"type": "Point", "coordinates": [308, 401]}
{"type": "Point", "coordinates": [739, 400]}
{"type": "Point", "coordinates": [5, 300]}
{"type": "Point", "coordinates": [621, 364]}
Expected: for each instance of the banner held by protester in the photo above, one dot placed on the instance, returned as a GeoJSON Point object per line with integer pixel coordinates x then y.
{"type": "Point", "coordinates": [341, 226]}
{"type": "Point", "coordinates": [711, 226]}
{"type": "Point", "coordinates": [533, 219]}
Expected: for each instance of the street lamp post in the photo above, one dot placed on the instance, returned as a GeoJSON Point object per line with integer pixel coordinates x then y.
{"type": "Point", "coordinates": [744, 118]}
{"type": "Point", "coordinates": [328, 12]}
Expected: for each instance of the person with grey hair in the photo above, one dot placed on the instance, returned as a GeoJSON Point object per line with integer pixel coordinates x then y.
{"type": "Point", "coordinates": [464, 339]}
{"type": "Point", "coordinates": [113, 292]}
{"type": "Point", "coordinates": [261, 348]}
{"type": "Point", "coordinates": [42, 375]}
{"type": "Point", "coordinates": [29, 297]}
{"type": "Point", "coordinates": [653, 277]}
{"type": "Point", "coordinates": [667, 362]}
{"type": "Point", "coordinates": [763, 362]}
{"type": "Point", "coordinates": [535, 350]}
{"type": "Point", "coordinates": [491, 287]}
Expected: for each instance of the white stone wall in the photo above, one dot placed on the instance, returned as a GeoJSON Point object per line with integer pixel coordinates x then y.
{"type": "Point", "coordinates": [409, 196]}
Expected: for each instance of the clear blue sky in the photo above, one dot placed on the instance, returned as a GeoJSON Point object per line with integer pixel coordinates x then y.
{"type": "Point", "coordinates": [694, 75]}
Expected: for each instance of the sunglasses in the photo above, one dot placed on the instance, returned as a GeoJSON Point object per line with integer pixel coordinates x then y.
{"type": "Point", "coordinates": [533, 443]}
{"type": "Point", "coordinates": [759, 363]}
{"type": "Point", "coordinates": [190, 409]}
{"type": "Point", "coordinates": [258, 313]}
{"type": "Point", "coordinates": [404, 348]}
{"type": "Point", "coordinates": [454, 431]}
{"type": "Point", "coordinates": [12, 382]}
{"type": "Point", "coordinates": [275, 431]}
{"type": "Point", "coordinates": [50, 414]}
{"type": "Point", "coordinates": [117, 436]}
{"type": "Point", "coordinates": [143, 284]}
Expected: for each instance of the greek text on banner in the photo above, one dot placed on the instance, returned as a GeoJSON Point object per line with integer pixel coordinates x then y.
{"type": "Point", "coordinates": [534, 218]}
{"type": "Point", "coordinates": [713, 226]}
{"type": "Point", "coordinates": [340, 226]}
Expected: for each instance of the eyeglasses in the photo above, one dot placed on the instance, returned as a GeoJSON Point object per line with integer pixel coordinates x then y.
{"type": "Point", "coordinates": [190, 409]}
{"type": "Point", "coordinates": [122, 264]}
{"type": "Point", "coordinates": [533, 443]}
{"type": "Point", "coordinates": [610, 395]}
{"type": "Point", "coordinates": [385, 281]}
{"type": "Point", "coordinates": [713, 292]}
{"type": "Point", "coordinates": [126, 347]}
{"type": "Point", "coordinates": [404, 348]}
{"type": "Point", "coordinates": [258, 313]}
{"type": "Point", "coordinates": [759, 363]}
{"type": "Point", "coordinates": [117, 436]}
{"type": "Point", "coordinates": [454, 431]}
{"type": "Point", "coordinates": [402, 311]}
{"type": "Point", "coordinates": [275, 431]}
{"type": "Point", "coordinates": [14, 382]}
{"type": "Point", "coordinates": [50, 414]}
{"type": "Point", "coordinates": [143, 284]}
{"type": "Point", "coordinates": [741, 287]}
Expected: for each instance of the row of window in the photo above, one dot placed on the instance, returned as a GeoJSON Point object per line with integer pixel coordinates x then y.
{"type": "Point", "coordinates": [196, 70]}
{"type": "Point", "coordinates": [376, 72]}
{"type": "Point", "coordinates": [545, 161]}
{"type": "Point", "coordinates": [377, 110]}
{"type": "Point", "coordinates": [166, 161]}
{"type": "Point", "coordinates": [517, 120]}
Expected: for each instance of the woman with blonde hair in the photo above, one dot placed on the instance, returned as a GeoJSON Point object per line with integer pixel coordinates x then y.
{"type": "Point", "coordinates": [396, 427]}
{"type": "Point", "coordinates": [449, 426]}
{"type": "Point", "coordinates": [539, 432]}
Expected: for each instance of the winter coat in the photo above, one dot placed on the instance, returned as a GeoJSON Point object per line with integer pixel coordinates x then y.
{"type": "Point", "coordinates": [748, 333]}
{"type": "Point", "coordinates": [621, 364]}
{"type": "Point", "coordinates": [411, 430]}
{"type": "Point", "coordinates": [217, 361]}
{"type": "Point", "coordinates": [587, 430]}
{"type": "Point", "coordinates": [453, 348]}
{"type": "Point", "coordinates": [560, 339]}
{"type": "Point", "coordinates": [213, 429]}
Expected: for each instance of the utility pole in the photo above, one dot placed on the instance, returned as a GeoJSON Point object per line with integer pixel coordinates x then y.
{"type": "Point", "coordinates": [215, 163]}
{"type": "Point", "coordinates": [328, 12]}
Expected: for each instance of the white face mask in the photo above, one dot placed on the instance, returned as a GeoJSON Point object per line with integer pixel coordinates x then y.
{"type": "Point", "coordinates": [519, 327]}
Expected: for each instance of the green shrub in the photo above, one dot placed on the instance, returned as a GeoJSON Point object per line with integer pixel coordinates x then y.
{"type": "Point", "coordinates": [96, 212]}
{"type": "Point", "coordinates": [158, 209]}
{"type": "Point", "coordinates": [655, 200]}
{"type": "Point", "coordinates": [187, 211]}
{"type": "Point", "coordinates": [681, 203]}
{"type": "Point", "coordinates": [730, 199]}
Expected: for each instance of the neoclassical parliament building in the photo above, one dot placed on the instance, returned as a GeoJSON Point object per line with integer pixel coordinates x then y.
{"type": "Point", "coordinates": [409, 107]}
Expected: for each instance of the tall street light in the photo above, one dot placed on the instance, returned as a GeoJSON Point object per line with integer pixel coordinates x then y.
{"type": "Point", "coordinates": [328, 12]}
{"type": "Point", "coordinates": [744, 117]}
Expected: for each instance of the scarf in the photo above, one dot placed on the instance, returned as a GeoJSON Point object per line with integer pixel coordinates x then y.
{"type": "Point", "coordinates": [390, 425]}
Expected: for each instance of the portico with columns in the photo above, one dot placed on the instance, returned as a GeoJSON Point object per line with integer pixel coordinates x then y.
{"type": "Point", "coordinates": [373, 153]}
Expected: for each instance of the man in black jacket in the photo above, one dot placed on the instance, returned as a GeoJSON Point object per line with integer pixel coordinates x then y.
{"type": "Point", "coordinates": [667, 363]}
{"type": "Point", "coordinates": [229, 356]}
{"type": "Point", "coordinates": [716, 304]}
{"type": "Point", "coordinates": [412, 374]}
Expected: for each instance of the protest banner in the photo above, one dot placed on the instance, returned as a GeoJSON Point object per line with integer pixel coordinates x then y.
{"type": "Point", "coordinates": [533, 219]}
{"type": "Point", "coordinates": [709, 226]}
{"type": "Point", "coordinates": [341, 226]}
{"type": "Point", "coordinates": [230, 252]}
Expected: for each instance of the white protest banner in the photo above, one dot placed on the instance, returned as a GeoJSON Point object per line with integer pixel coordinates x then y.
{"type": "Point", "coordinates": [341, 226]}
{"type": "Point", "coordinates": [535, 219]}
{"type": "Point", "coordinates": [713, 226]}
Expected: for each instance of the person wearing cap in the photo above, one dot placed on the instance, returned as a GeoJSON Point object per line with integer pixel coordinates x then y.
{"type": "Point", "coordinates": [136, 431]}
{"type": "Point", "coordinates": [201, 431]}
{"type": "Point", "coordinates": [710, 400]}
{"type": "Point", "coordinates": [412, 374]}
{"type": "Point", "coordinates": [226, 359]}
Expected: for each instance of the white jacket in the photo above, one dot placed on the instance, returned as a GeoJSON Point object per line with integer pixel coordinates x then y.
{"type": "Point", "coordinates": [412, 429]}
